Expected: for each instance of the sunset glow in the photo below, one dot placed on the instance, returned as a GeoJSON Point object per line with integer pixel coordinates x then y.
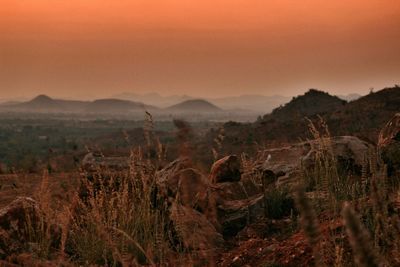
{"type": "Point", "coordinates": [205, 48]}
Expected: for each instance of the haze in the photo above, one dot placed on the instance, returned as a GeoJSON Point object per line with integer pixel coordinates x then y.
{"type": "Point", "coordinates": [209, 48]}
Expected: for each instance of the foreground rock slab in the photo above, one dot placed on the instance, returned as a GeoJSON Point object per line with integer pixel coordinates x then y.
{"type": "Point", "coordinates": [286, 162]}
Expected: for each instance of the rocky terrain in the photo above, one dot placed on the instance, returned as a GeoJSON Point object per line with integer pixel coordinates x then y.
{"type": "Point", "coordinates": [332, 200]}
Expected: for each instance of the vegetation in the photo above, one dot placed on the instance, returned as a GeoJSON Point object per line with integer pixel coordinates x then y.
{"type": "Point", "coordinates": [158, 211]}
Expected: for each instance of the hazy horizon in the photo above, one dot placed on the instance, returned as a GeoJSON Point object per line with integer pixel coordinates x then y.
{"type": "Point", "coordinates": [208, 49]}
{"type": "Point", "coordinates": [120, 95]}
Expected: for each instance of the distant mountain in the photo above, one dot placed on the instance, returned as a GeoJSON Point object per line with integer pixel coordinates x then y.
{"type": "Point", "coordinates": [116, 106]}
{"type": "Point", "coordinates": [43, 104]}
{"type": "Point", "coordinates": [154, 99]}
{"type": "Point", "coordinates": [194, 106]}
{"type": "Point", "coordinates": [254, 103]}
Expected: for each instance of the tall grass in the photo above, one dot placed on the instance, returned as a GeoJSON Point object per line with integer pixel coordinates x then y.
{"type": "Point", "coordinates": [115, 218]}
{"type": "Point", "coordinates": [118, 218]}
{"type": "Point", "coordinates": [372, 234]}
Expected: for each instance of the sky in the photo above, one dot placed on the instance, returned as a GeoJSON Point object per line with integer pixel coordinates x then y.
{"type": "Point", "coordinates": [208, 48]}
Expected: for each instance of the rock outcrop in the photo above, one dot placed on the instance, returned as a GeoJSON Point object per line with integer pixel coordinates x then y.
{"type": "Point", "coordinates": [286, 163]}
{"type": "Point", "coordinates": [228, 206]}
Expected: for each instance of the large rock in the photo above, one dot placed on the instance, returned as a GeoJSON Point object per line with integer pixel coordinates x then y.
{"type": "Point", "coordinates": [228, 206]}
{"type": "Point", "coordinates": [226, 169]}
{"type": "Point", "coordinates": [237, 214]}
{"type": "Point", "coordinates": [234, 205]}
{"type": "Point", "coordinates": [286, 162]}
{"type": "Point", "coordinates": [230, 191]}
{"type": "Point", "coordinates": [389, 145]}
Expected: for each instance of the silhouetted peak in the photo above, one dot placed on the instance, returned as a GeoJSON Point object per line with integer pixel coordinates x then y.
{"type": "Point", "coordinates": [311, 103]}
{"type": "Point", "coordinates": [42, 99]}
{"type": "Point", "coordinates": [195, 105]}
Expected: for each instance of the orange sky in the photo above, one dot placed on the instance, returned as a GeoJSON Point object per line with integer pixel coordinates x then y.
{"type": "Point", "coordinates": [97, 48]}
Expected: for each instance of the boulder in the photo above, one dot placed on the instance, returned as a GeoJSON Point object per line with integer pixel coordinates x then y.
{"type": "Point", "coordinates": [227, 206]}
{"type": "Point", "coordinates": [237, 214]}
{"type": "Point", "coordinates": [231, 205]}
{"type": "Point", "coordinates": [226, 169]}
{"type": "Point", "coordinates": [229, 191]}
{"type": "Point", "coordinates": [286, 162]}
{"type": "Point", "coordinates": [351, 148]}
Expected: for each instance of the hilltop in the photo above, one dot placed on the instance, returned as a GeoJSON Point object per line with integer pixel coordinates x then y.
{"type": "Point", "coordinates": [311, 103]}
{"type": "Point", "coordinates": [44, 103]}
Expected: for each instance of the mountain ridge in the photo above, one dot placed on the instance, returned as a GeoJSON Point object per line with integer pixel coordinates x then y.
{"type": "Point", "coordinates": [362, 118]}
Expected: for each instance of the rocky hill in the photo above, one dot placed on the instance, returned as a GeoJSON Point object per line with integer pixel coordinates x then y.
{"type": "Point", "coordinates": [367, 115]}
{"type": "Point", "coordinates": [311, 103]}
{"type": "Point", "coordinates": [363, 118]}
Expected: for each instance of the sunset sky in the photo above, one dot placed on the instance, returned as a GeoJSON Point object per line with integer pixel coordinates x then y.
{"type": "Point", "coordinates": [208, 48]}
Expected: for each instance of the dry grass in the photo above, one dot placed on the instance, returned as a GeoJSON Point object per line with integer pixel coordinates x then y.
{"type": "Point", "coordinates": [117, 218]}
{"type": "Point", "coordinates": [372, 234]}
{"type": "Point", "coordinates": [113, 218]}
